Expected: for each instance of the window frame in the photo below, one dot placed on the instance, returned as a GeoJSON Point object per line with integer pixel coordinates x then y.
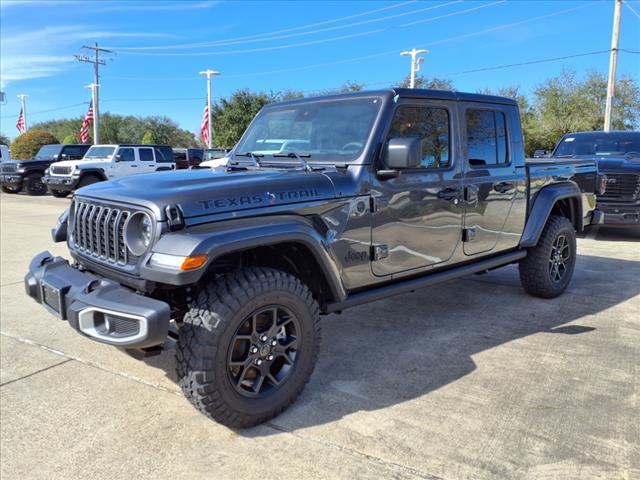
{"type": "Point", "coordinates": [452, 135]}
{"type": "Point", "coordinates": [507, 136]}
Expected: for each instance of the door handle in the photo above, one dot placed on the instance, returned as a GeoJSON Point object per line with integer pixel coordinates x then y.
{"type": "Point", "coordinates": [134, 166]}
{"type": "Point", "coordinates": [449, 194]}
{"type": "Point", "coordinates": [503, 187]}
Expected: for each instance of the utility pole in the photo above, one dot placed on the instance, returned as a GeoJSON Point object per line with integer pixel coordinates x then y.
{"type": "Point", "coordinates": [23, 105]}
{"type": "Point", "coordinates": [96, 82]}
{"type": "Point", "coordinates": [415, 63]}
{"type": "Point", "coordinates": [209, 73]}
{"type": "Point", "coordinates": [94, 96]}
{"type": "Point", "coordinates": [613, 63]}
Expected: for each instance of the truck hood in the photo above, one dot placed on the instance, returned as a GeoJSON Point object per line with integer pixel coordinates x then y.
{"type": "Point", "coordinates": [205, 192]}
{"type": "Point", "coordinates": [621, 164]}
{"type": "Point", "coordinates": [84, 163]}
{"type": "Point", "coordinates": [26, 163]}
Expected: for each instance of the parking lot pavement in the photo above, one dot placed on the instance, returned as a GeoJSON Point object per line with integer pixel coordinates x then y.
{"type": "Point", "coordinates": [469, 379]}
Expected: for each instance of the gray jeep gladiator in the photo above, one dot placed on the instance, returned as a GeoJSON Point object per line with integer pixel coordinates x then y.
{"type": "Point", "coordinates": [325, 204]}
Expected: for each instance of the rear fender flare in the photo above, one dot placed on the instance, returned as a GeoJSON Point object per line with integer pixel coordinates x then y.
{"type": "Point", "coordinates": [543, 204]}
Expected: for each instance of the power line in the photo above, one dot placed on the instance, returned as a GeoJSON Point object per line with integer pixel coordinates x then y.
{"type": "Point", "coordinates": [49, 110]}
{"type": "Point", "coordinates": [313, 42]}
{"type": "Point", "coordinates": [275, 36]}
{"type": "Point", "coordinates": [268, 34]}
{"type": "Point", "coordinates": [631, 8]}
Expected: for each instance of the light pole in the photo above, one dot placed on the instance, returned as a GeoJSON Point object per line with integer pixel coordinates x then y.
{"type": "Point", "coordinates": [613, 63]}
{"type": "Point", "coordinates": [94, 102]}
{"type": "Point", "coordinates": [415, 63]}
{"type": "Point", "coordinates": [209, 73]}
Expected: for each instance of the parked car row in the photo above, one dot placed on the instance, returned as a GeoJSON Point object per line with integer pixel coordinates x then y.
{"type": "Point", "coordinates": [61, 169]}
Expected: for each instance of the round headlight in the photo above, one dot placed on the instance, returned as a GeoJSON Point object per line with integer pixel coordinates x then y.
{"type": "Point", "coordinates": [138, 233]}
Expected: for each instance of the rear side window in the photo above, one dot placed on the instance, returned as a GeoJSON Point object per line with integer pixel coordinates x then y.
{"type": "Point", "coordinates": [126, 155]}
{"type": "Point", "coordinates": [146, 154]}
{"type": "Point", "coordinates": [195, 156]}
{"type": "Point", "coordinates": [486, 138]}
{"type": "Point", "coordinates": [164, 155]}
{"type": "Point", "coordinates": [431, 126]}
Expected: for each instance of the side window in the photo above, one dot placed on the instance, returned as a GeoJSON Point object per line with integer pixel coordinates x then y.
{"type": "Point", "coordinates": [196, 156]}
{"type": "Point", "coordinates": [73, 152]}
{"type": "Point", "coordinates": [486, 138]}
{"type": "Point", "coordinates": [126, 155]}
{"type": "Point", "coordinates": [164, 154]}
{"type": "Point", "coordinates": [431, 126]}
{"type": "Point", "coordinates": [146, 154]}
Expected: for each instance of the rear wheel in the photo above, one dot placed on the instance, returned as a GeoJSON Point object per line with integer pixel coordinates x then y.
{"type": "Point", "coordinates": [248, 346]}
{"type": "Point", "coordinates": [59, 193]}
{"type": "Point", "coordinates": [548, 267]}
{"type": "Point", "coordinates": [10, 190]}
{"type": "Point", "coordinates": [34, 185]}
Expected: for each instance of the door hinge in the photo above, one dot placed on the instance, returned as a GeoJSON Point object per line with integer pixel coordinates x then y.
{"type": "Point", "coordinates": [378, 252]}
{"type": "Point", "coordinates": [378, 203]}
{"type": "Point", "coordinates": [468, 234]}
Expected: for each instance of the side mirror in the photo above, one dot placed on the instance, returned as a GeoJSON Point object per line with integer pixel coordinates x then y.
{"type": "Point", "coordinates": [63, 156]}
{"type": "Point", "coordinates": [402, 153]}
{"type": "Point", "coordinates": [540, 153]}
{"type": "Point", "coordinates": [118, 158]}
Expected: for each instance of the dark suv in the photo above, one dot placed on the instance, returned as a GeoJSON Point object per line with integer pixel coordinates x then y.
{"type": "Point", "coordinates": [618, 156]}
{"type": "Point", "coordinates": [187, 157]}
{"type": "Point", "coordinates": [18, 174]}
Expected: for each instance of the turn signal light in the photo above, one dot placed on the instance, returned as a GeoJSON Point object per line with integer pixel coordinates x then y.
{"type": "Point", "coordinates": [196, 261]}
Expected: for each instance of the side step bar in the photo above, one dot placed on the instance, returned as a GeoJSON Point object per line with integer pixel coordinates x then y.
{"type": "Point", "coordinates": [428, 280]}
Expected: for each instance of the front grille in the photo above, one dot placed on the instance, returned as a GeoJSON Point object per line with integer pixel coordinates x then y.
{"type": "Point", "coordinates": [98, 231]}
{"type": "Point", "coordinates": [622, 186]}
{"type": "Point", "coordinates": [8, 168]}
{"type": "Point", "coordinates": [58, 170]}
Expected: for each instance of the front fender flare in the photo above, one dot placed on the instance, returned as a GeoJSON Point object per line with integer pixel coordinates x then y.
{"type": "Point", "coordinates": [218, 239]}
{"type": "Point", "coordinates": [543, 203]}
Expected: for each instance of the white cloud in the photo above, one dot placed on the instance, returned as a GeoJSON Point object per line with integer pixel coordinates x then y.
{"type": "Point", "coordinates": [46, 51]}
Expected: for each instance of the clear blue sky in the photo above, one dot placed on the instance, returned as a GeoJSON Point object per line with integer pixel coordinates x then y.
{"type": "Point", "coordinates": [286, 45]}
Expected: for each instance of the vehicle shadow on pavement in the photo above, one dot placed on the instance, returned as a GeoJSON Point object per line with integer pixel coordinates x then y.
{"type": "Point", "coordinates": [403, 348]}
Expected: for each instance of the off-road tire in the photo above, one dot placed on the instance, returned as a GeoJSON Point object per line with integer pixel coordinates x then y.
{"type": "Point", "coordinates": [33, 184]}
{"type": "Point", "coordinates": [10, 190]}
{"type": "Point", "coordinates": [59, 193]}
{"type": "Point", "coordinates": [88, 180]}
{"type": "Point", "coordinates": [208, 330]}
{"type": "Point", "coordinates": [535, 274]}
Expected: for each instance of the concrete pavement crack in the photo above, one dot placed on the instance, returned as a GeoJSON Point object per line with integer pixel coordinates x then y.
{"type": "Point", "coordinates": [35, 373]}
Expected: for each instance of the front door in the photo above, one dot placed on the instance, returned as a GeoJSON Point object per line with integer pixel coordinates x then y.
{"type": "Point", "coordinates": [125, 162]}
{"type": "Point", "coordinates": [417, 219]}
{"type": "Point", "coordinates": [490, 179]}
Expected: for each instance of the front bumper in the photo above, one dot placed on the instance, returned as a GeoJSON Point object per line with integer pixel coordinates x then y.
{"type": "Point", "coordinates": [620, 214]}
{"type": "Point", "coordinates": [60, 183]}
{"type": "Point", "coordinates": [95, 306]}
{"type": "Point", "coordinates": [11, 180]}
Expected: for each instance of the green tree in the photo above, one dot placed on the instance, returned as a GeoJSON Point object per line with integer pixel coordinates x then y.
{"type": "Point", "coordinates": [149, 138]}
{"type": "Point", "coordinates": [70, 139]}
{"type": "Point", "coordinates": [231, 116]}
{"type": "Point", "coordinates": [4, 140]}
{"type": "Point", "coordinates": [433, 83]}
{"type": "Point", "coordinates": [26, 145]}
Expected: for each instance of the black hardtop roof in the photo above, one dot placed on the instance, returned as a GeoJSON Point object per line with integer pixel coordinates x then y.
{"type": "Point", "coordinates": [66, 145]}
{"type": "Point", "coordinates": [132, 145]}
{"type": "Point", "coordinates": [410, 93]}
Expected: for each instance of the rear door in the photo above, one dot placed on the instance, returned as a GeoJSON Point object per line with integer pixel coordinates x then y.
{"type": "Point", "coordinates": [147, 159]}
{"type": "Point", "coordinates": [490, 179]}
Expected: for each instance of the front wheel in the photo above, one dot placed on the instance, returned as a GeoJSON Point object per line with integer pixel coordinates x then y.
{"type": "Point", "coordinates": [10, 190]}
{"type": "Point", "coordinates": [33, 184]}
{"type": "Point", "coordinates": [248, 346]}
{"type": "Point", "coordinates": [548, 267]}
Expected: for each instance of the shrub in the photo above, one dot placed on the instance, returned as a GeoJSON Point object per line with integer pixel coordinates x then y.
{"type": "Point", "coordinates": [26, 146]}
{"type": "Point", "coordinates": [69, 139]}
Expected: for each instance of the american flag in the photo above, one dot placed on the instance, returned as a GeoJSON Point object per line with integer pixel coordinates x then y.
{"type": "Point", "coordinates": [204, 129]}
{"type": "Point", "coordinates": [88, 118]}
{"type": "Point", "coordinates": [21, 124]}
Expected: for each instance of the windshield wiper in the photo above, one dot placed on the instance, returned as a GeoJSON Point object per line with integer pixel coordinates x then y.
{"type": "Point", "coordinates": [303, 162]}
{"type": "Point", "coordinates": [253, 156]}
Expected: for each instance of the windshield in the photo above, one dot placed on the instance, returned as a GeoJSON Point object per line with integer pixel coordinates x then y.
{"type": "Point", "coordinates": [214, 154]}
{"type": "Point", "coordinates": [621, 143]}
{"type": "Point", "coordinates": [99, 152]}
{"type": "Point", "coordinates": [47, 152]}
{"type": "Point", "coordinates": [335, 130]}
